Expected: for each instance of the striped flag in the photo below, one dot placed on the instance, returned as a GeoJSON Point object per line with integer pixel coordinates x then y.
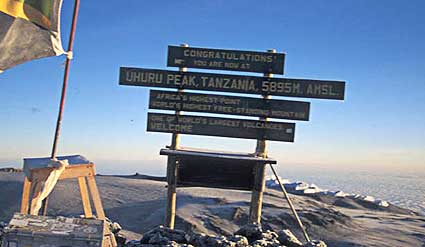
{"type": "Point", "coordinates": [29, 29]}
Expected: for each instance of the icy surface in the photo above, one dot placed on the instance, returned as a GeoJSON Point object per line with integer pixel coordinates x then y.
{"type": "Point", "coordinates": [300, 187]}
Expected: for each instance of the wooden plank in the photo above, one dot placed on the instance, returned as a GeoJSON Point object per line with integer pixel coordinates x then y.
{"type": "Point", "coordinates": [25, 196]}
{"type": "Point", "coordinates": [75, 171]}
{"type": "Point", "coordinates": [182, 152]}
{"type": "Point", "coordinates": [85, 197]}
{"type": "Point", "coordinates": [226, 127]}
{"type": "Point", "coordinates": [233, 105]}
{"type": "Point", "coordinates": [71, 171]}
{"type": "Point", "coordinates": [304, 88]}
{"type": "Point", "coordinates": [221, 59]}
{"type": "Point", "coordinates": [100, 213]}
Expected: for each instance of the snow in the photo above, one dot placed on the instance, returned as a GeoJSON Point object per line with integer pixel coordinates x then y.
{"type": "Point", "coordinates": [301, 187]}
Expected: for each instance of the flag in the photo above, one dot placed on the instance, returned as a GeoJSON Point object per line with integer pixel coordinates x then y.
{"type": "Point", "coordinates": [29, 29]}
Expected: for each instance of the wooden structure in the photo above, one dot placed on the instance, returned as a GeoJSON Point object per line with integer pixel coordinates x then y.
{"type": "Point", "coordinates": [85, 175]}
{"type": "Point", "coordinates": [188, 167]}
{"type": "Point", "coordinates": [223, 170]}
{"type": "Point", "coordinates": [42, 231]}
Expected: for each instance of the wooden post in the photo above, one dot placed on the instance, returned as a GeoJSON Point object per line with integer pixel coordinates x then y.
{"type": "Point", "coordinates": [85, 197]}
{"type": "Point", "coordinates": [260, 169]}
{"type": "Point", "coordinates": [170, 213]}
{"type": "Point", "coordinates": [94, 191]}
{"type": "Point", "coordinates": [25, 196]}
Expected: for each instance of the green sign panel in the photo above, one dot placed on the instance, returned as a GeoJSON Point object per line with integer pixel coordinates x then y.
{"type": "Point", "coordinates": [220, 59]}
{"type": "Point", "coordinates": [225, 127]}
{"type": "Point", "coordinates": [221, 104]}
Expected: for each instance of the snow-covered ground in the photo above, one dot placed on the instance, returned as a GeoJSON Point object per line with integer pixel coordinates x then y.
{"type": "Point", "coordinates": [139, 205]}
{"type": "Point", "coordinates": [303, 188]}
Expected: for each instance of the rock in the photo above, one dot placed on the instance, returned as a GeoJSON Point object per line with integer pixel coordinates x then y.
{"type": "Point", "coordinates": [203, 240]}
{"type": "Point", "coordinates": [163, 235]}
{"type": "Point", "coordinates": [266, 243]}
{"type": "Point", "coordinates": [10, 169]}
{"type": "Point", "coordinates": [250, 235]}
{"type": "Point", "coordinates": [315, 243]}
{"type": "Point", "coordinates": [120, 240]}
{"type": "Point", "coordinates": [287, 238]}
{"type": "Point", "coordinates": [252, 232]}
{"type": "Point", "coordinates": [239, 240]}
{"type": "Point", "coordinates": [269, 235]}
{"type": "Point", "coordinates": [133, 243]}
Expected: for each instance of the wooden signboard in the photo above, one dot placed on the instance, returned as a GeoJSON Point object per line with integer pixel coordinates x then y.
{"type": "Point", "coordinates": [219, 59]}
{"type": "Point", "coordinates": [198, 171]}
{"type": "Point", "coordinates": [216, 169]}
{"type": "Point", "coordinates": [225, 127]}
{"type": "Point", "coordinates": [233, 105]}
{"type": "Point", "coordinates": [232, 83]}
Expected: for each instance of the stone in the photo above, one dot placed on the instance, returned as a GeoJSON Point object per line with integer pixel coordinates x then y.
{"type": "Point", "coordinates": [287, 238]}
{"type": "Point", "coordinates": [269, 235]}
{"type": "Point", "coordinates": [163, 235]}
{"type": "Point", "coordinates": [203, 240]}
{"type": "Point", "coordinates": [120, 240]}
{"type": "Point", "coordinates": [266, 243]}
{"type": "Point", "coordinates": [315, 243]}
{"type": "Point", "coordinates": [239, 240]}
{"type": "Point", "coordinates": [252, 232]}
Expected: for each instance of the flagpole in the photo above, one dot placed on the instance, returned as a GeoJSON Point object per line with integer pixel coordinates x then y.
{"type": "Point", "coordinates": [64, 86]}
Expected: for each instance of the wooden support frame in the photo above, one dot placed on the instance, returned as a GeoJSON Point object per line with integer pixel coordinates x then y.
{"type": "Point", "coordinates": [260, 172]}
{"type": "Point", "coordinates": [257, 188]}
{"type": "Point", "coordinates": [84, 173]}
{"type": "Point", "coordinates": [170, 208]}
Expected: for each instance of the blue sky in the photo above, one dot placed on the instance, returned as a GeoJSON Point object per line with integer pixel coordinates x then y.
{"type": "Point", "coordinates": [377, 47]}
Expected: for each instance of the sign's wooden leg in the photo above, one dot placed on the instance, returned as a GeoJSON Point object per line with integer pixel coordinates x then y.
{"type": "Point", "coordinates": [96, 198]}
{"type": "Point", "coordinates": [25, 196]}
{"type": "Point", "coordinates": [170, 213]}
{"type": "Point", "coordinates": [257, 194]}
{"type": "Point", "coordinates": [85, 197]}
{"type": "Point", "coordinates": [260, 170]}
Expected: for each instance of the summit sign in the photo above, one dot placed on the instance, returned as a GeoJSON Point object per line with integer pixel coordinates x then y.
{"type": "Point", "coordinates": [304, 88]}
{"type": "Point", "coordinates": [220, 59]}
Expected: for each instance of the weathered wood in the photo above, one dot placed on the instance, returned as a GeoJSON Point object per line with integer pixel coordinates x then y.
{"type": "Point", "coordinates": [85, 197]}
{"type": "Point", "coordinates": [170, 213]}
{"type": "Point", "coordinates": [71, 171]}
{"type": "Point", "coordinates": [259, 183]}
{"type": "Point", "coordinates": [304, 88]}
{"type": "Point", "coordinates": [190, 152]}
{"type": "Point", "coordinates": [83, 170]}
{"type": "Point", "coordinates": [96, 198]}
{"type": "Point", "coordinates": [257, 194]}
{"type": "Point", "coordinates": [233, 105]}
{"type": "Point", "coordinates": [225, 127]}
{"type": "Point", "coordinates": [220, 59]}
{"type": "Point", "coordinates": [25, 196]}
